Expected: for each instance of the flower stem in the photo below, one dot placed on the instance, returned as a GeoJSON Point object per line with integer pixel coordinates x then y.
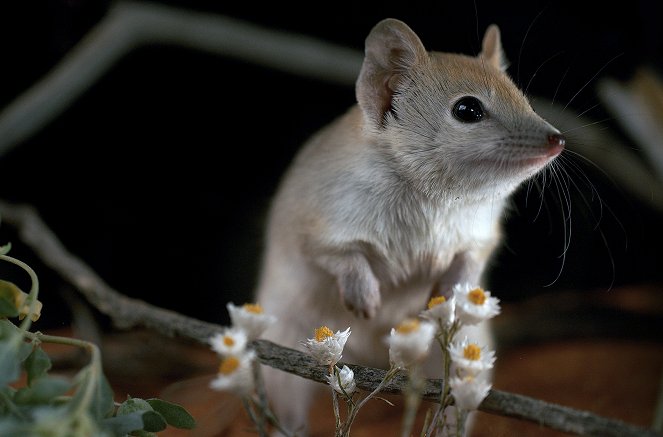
{"type": "Point", "coordinates": [444, 340]}
{"type": "Point", "coordinates": [249, 407]}
{"type": "Point", "coordinates": [92, 372]}
{"type": "Point", "coordinates": [427, 421]}
{"type": "Point", "coordinates": [273, 420]}
{"type": "Point", "coordinates": [337, 415]}
{"type": "Point", "coordinates": [393, 371]}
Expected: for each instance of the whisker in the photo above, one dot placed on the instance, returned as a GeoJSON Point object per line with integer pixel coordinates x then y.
{"type": "Point", "coordinates": [542, 194]}
{"type": "Point", "coordinates": [566, 219]}
{"type": "Point", "coordinates": [592, 78]}
{"type": "Point", "coordinates": [476, 21]}
{"type": "Point", "coordinates": [539, 68]}
{"type": "Point", "coordinates": [589, 124]}
{"type": "Point", "coordinates": [522, 45]}
{"type": "Point", "coordinates": [559, 85]}
{"type": "Point", "coordinates": [578, 170]}
{"type": "Point", "coordinates": [567, 164]}
{"type": "Point", "coordinates": [587, 110]}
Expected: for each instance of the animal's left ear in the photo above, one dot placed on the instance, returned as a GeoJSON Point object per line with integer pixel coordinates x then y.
{"type": "Point", "coordinates": [491, 48]}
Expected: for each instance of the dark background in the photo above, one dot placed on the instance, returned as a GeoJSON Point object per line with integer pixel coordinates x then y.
{"type": "Point", "coordinates": [160, 175]}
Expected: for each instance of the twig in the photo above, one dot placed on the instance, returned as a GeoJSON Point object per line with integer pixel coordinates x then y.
{"type": "Point", "coordinates": [127, 313]}
{"type": "Point", "coordinates": [553, 416]}
{"type": "Point", "coordinates": [130, 25]}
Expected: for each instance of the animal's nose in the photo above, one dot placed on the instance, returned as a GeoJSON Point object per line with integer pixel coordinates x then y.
{"type": "Point", "coordinates": [556, 140]}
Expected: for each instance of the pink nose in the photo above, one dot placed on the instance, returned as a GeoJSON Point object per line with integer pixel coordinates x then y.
{"type": "Point", "coordinates": [556, 141]}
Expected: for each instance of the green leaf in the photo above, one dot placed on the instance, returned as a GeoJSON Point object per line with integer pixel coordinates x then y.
{"type": "Point", "coordinates": [7, 307]}
{"type": "Point", "coordinates": [102, 405]}
{"type": "Point", "coordinates": [37, 364]}
{"type": "Point", "coordinates": [123, 424]}
{"type": "Point", "coordinates": [10, 427]}
{"type": "Point", "coordinates": [134, 405]}
{"type": "Point", "coordinates": [12, 352]}
{"type": "Point", "coordinates": [10, 365]}
{"type": "Point", "coordinates": [9, 330]}
{"type": "Point", "coordinates": [7, 405]}
{"type": "Point", "coordinates": [174, 414]}
{"type": "Point", "coordinates": [42, 391]}
{"type": "Point", "coordinates": [153, 421]}
{"type": "Point", "coordinates": [8, 295]}
{"type": "Point", "coordinates": [24, 350]}
{"type": "Point", "coordinates": [4, 250]}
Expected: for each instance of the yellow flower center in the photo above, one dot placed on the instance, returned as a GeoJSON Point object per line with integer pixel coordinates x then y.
{"type": "Point", "coordinates": [228, 365]}
{"type": "Point", "coordinates": [228, 341]}
{"type": "Point", "coordinates": [472, 352]}
{"type": "Point", "coordinates": [477, 296]}
{"type": "Point", "coordinates": [323, 333]}
{"type": "Point", "coordinates": [408, 326]}
{"type": "Point", "coordinates": [435, 301]}
{"type": "Point", "coordinates": [252, 308]}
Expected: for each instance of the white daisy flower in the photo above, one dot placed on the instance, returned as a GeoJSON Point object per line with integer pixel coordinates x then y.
{"type": "Point", "coordinates": [468, 392]}
{"type": "Point", "coordinates": [250, 318]}
{"type": "Point", "coordinates": [327, 347]}
{"type": "Point", "coordinates": [235, 374]}
{"type": "Point", "coordinates": [440, 310]}
{"type": "Point", "coordinates": [410, 342]}
{"type": "Point", "coordinates": [347, 377]}
{"type": "Point", "coordinates": [470, 358]}
{"type": "Point", "coordinates": [474, 305]}
{"type": "Point", "coordinates": [230, 341]}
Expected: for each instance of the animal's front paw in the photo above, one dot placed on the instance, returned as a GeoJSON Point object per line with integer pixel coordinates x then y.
{"type": "Point", "coordinates": [360, 294]}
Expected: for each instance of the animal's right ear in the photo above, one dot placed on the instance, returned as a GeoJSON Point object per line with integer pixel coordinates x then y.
{"type": "Point", "coordinates": [392, 48]}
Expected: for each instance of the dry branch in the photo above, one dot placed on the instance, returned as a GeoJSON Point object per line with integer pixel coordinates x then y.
{"type": "Point", "coordinates": [126, 313]}
{"type": "Point", "coordinates": [498, 402]}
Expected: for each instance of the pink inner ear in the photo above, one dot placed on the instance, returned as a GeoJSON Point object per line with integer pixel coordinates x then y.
{"type": "Point", "coordinates": [391, 48]}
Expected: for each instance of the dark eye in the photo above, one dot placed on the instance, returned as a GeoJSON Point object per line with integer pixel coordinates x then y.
{"type": "Point", "coordinates": [468, 109]}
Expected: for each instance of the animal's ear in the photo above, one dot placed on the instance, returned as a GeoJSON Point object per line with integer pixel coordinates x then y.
{"type": "Point", "coordinates": [391, 49]}
{"type": "Point", "coordinates": [491, 48]}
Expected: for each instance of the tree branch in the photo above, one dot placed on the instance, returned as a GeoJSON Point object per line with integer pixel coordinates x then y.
{"type": "Point", "coordinates": [130, 25]}
{"type": "Point", "coordinates": [127, 313]}
{"type": "Point", "coordinates": [124, 312]}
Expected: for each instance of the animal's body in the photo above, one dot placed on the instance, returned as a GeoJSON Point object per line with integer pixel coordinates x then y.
{"type": "Point", "coordinates": [397, 200]}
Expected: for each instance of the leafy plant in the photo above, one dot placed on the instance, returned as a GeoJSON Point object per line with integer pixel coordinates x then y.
{"type": "Point", "coordinates": [54, 406]}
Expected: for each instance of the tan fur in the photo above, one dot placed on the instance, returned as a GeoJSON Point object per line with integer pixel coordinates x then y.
{"type": "Point", "coordinates": [394, 201]}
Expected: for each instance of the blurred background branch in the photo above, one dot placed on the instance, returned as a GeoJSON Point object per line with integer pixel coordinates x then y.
{"type": "Point", "coordinates": [129, 25]}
